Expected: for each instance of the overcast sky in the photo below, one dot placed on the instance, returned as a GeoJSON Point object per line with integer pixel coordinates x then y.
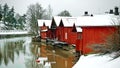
{"type": "Point", "coordinates": [75, 7]}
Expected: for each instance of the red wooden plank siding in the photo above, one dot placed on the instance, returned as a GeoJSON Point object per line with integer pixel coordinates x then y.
{"type": "Point", "coordinates": [95, 35]}
{"type": "Point", "coordinates": [49, 34]}
{"type": "Point", "coordinates": [72, 37]}
{"type": "Point", "coordinates": [67, 34]}
{"type": "Point", "coordinates": [43, 32]}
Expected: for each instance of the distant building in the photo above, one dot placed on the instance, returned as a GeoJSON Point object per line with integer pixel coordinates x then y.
{"type": "Point", "coordinates": [44, 26]}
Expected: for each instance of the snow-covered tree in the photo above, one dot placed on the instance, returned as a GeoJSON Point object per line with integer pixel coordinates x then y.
{"type": "Point", "coordinates": [34, 12]}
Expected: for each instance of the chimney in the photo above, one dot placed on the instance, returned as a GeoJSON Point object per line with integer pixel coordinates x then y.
{"type": "Point", "coordinates": [111, 11]}
{"type": "Point", "coordinates": [91, 15]}
{"type": "Point", "coordinates": [116, 11]}
{"type": "Point", "coordinates": [86, 13]}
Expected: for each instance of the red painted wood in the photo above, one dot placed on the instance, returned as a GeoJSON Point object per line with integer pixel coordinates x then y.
{"type": "Point", "coordinates": [42, 32]}
{"type": "Point", "coordinates": [43, 35]}
{"type": "Point", "coordinates": [95, 35]}
{"type": "Point", "coordinates": [72, 37]}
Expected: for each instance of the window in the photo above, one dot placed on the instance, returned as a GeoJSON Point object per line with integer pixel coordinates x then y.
{"type": "Point", "coordinates": [80, 36]}
{"type": "Point", "coordinates": [65, 35]}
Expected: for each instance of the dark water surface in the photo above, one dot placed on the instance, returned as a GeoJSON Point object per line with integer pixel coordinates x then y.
{"type": "Point", "coordinates": [21, 52]}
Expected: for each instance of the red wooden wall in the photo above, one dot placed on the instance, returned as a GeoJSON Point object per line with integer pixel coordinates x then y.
{"type": "Point", "coordinates": [67, 31]}
{"type": "Point", "coordinates": [94, 35]}
{"type": "Point", "coordinates": [64, 34]}
{"type": "Point", "coordinates": [60, 33]}
{"type": "Point", "coordinates": [43, 32]}
{"type": "Point", "coordinates": [72, 37]}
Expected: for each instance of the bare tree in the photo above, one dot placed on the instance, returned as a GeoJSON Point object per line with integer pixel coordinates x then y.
{"type": "Point", "coordinates": [34, 12]}
{"type": "Point", "coordinates": [0, 12]}
{"type": "Point", "coordinates": [49, 12]}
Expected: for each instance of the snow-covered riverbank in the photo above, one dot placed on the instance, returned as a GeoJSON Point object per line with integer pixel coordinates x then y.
{"type": "Point", "coordinates": [95, 61]}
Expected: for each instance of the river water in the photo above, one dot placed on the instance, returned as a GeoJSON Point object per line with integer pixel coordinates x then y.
{"type": "Point", "coordinates": [21, 52]}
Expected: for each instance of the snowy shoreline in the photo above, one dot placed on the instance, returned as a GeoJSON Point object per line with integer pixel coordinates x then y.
{"type": "Point", "coordinates": [97, 61]}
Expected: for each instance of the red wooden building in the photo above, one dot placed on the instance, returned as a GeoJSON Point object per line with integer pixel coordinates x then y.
{"type": "Point", "coordinates": [64, 31]}
{"type": "Point", "coordinates": [44, 26]}
{"type": "Point", "coordinates": [95, 29]}
{"type": "Point", "coordinates": [61, 28]}
{"type": "Point", "coordinates": [54, 27]}
{"type": "Point", "coordinates": [88, 30]}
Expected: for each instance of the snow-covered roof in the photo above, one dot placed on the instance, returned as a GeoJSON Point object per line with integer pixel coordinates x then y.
{"type": "Point", "coordinates": [41, 22]}
{"type": "Point", "coordinates": [98, 20]}
{"type": "Point", "coordinates": [57, 20]}
{"type": "Point", "coordinates": [79, 29]}
{"type": "Point", "coordinates": [67, 21]}
{"type": "Point", "coordinates": [44, 30]}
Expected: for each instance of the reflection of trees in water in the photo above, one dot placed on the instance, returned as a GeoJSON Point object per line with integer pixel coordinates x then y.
{"type": "Point", "coordinates": [0, 56]}
{"type": "Point", "coordinates": [34, 48]}
{"type": "Point", "coordinates": [9, 49]}
{"type": "Point", "coordinates": [31, 62]}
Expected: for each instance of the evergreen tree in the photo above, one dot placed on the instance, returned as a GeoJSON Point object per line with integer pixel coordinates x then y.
{"type": "Point", "coordinates": [0, 16]}
{"type": "Point", "coordinates": [0, 12]}
{"type": "Point", "coordinates": [10, 17]}
{"type": "Point", "coordinates": [21, 21]}
{"type": "Point", "coordinates": [5, 12]}
{"type": "Point", "coordinates": [7, 15]}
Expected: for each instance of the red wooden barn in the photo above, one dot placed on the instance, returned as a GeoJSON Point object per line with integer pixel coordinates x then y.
{"type": "Point", "coordinates": [64, 31]}
{"type": "Point", "coordinates": [54, 27]}
{"type": "Point", "coordinates": [44, 26]}
{"type": "Point", "coordinates": [61, 27]}
{"type": "Point", "coordinates": [70, 31]}
{"type": "Point", "coordinates": [95, 29]}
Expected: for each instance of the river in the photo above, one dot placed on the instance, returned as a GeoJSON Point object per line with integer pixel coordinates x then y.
{"type": "Point", "coordinates": [21, 52]}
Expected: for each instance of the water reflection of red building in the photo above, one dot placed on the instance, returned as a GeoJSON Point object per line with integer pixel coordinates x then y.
{"type": "Point", "coordinates": [57, 60]}
{"type": "Point", "coordinates": [43, 52]}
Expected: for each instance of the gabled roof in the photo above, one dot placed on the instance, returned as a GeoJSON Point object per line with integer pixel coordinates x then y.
{"type": "Point", "coordinates": [57, 19]}
{"type": "Point", "coordinates": [53, 24]}
{"type": "Point", "coordinates": [98, 20]}
{"type": "Point", "coordinates": [44, 22]}
{"type": "Point", "coordinates": [61, 23]}
{"type": "Point", "coordinates": [74, 28]}
{"type": "Point", "coordinates": [67, 21]}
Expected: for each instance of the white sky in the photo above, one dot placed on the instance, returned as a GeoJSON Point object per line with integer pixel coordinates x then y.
{"type": "Point", "coordinates": [75, 7]}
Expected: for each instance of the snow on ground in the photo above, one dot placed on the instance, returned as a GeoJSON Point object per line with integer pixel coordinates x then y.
{"type": "Point", "coordinates": [11, 32]}
{"type": "Point", "coordinates": [96, 61]}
